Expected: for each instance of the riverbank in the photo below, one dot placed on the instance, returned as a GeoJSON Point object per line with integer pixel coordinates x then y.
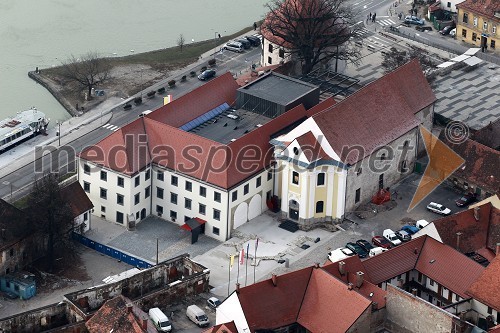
{"type": "Point", "coordinates": [128, 75]}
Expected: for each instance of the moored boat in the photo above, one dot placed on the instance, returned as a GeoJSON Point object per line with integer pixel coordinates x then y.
{"type": "Point", "coordinates": [24, 125]}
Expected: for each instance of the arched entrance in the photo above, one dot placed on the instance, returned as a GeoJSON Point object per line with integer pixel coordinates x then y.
{"type": "Point", "coordinates": [143, 213]}
{"type": "Point", "coordinates": [255, 207]}
{"type": "Point", "coordinates": [240, 215]}
{"type": "Point", "coordinates": [293, 212]}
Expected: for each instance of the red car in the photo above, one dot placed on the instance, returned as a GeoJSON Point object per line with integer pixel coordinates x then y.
{"type": "Point", "coordinates": [381, 241]}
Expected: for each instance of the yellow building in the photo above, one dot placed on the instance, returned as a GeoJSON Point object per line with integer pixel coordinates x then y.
{"type": "Point", "coordinates": [478, 23]}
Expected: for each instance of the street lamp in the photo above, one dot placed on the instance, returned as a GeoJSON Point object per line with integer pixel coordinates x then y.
{"type": "Point", "coordinates": [215, 41]}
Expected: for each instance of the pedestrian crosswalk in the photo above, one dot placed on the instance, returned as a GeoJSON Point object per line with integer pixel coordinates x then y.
{"type": "Point", "coordinates": [362, 33]}
{"type": "Point", "coordinates": [111, 127]}
{"type": "Point", "coordinates": [386, 22]}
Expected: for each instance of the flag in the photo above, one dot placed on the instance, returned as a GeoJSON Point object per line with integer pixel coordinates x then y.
{"type": "Point", "coordinates": [242, 257]}
{"type": "Point", "coordinates": [256, 245]}
{"type": "Point", "coordinates": [232, 262]}
{"type": "Point", "coordinates": [167, 99]}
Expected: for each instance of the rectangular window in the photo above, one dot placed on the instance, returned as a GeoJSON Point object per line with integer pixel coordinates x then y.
{"type": "Point", "coordinates": [269, 175]}
{"type": "Point", "coordinates": [465, 18]}
{"type": "Point", "coordinates": [103, 209]}
{"type": "Point", "coordinates": [217, 197]}
{"type": "Point", "coordinates": [474, 36]}
{"type": "Point", "coordinates": [246, 188]}
{"type": "Point", "coordinates": [159, 210]}
{"type": "Point", "coordinates": [119, 217]}
{"type": "Point", "coordinates": [321, 179]}
{"type": "Point", "coordinates": [431, 282]}
{"type": "Point", "coordinates": [494, 29]}
{"type": "Point", "coordinates": [492, 44]}
{"type": "Point", "coordinates": [203, 191]}
{"type": "Point", "coordinates": [173, 198]}
{"type": "Point", "coordinates": [86, 187]}
{"type": "Point", "coordinates": [120, 182]}
{"type": "Point", "coordinates": [85, 216]}
{"type": "Point", "coordinates": [147, 192]}
{"type": "Point", "coordinates": [160, 176]}
{"type": "Point", "coordinates": [485, 26]}
{"type": "Point", "coordinates": [295, 178]}
{"type": "Point", "coordinates": [119, 199]}
{"type": "Point", "coordinates": [137, 181]}
{"type": "Point", "coordinates": [174, 180]}
{"type": "Point", "coordinates": [173, 215]}
{"type": "Point", "coordinates": [258, 182]}
{"type": "Point", "coordinates": [104, 193]}
{"type": "Point", "coordinates": [282, 53]}
{"type": "Point", "coordinates": [234, 196]}
{"type": "Point", "coordinates": [202, 209]}
{"type": "Point", "coordinates": [217, 214]}
{"type": "Point", "coordinates": [269, 60]}
{"type": "Point", "coordinates": [137, 198]}
{"type": "Point", "coordinates": [268, 195]}
{"type": "Point", "coordinates": [464, 33]}
{"type": "Point", "coordinates": [159, 193]}
{"type": "Point", "coordinates": [215, 231]}
{"type": "Point", "coordinates": [148, 174]}
{"type": "Point", "coordinates": [86, 169]}
{"type": "Point", "coordinates": [189, 186]}
{"type": "Point", "coordinates": [187, 203]}
{"type": "Point", "coordinates": [319, 206]}
{"type": "Point", "coordinates": [448, 4]}
{"type": "Point", "coordinates": [104, 175]}
{"type": "Point", "coordinates": [475, 21]}
{"type": "Point", "coordinates": [358, 195]}
{"type": "Point", "coordinates": [270, 48]}
{"type": "Point", "coordinates": [490, 310]}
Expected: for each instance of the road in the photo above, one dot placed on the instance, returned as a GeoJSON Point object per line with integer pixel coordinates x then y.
{"type": "Point", "coordinates": [17, 183]}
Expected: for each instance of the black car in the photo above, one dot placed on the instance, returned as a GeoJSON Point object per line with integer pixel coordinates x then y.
{"type": "Point", "coordinates": [362, 253]}
{"type": "Point", "coordinates": [255, 41]}
{"type": "Point", "coordinates": [423, 28]}
{"type": "Point", "coordinates": [466, 199]}
{"type": "Point", "coordinates": [364, 244]}
{"type": "Point", "coordinates": [208, 74]}
{"type": "Point", "coordinates": [245, 42]}
{"type": "Point", "coordinates": [446, 30]}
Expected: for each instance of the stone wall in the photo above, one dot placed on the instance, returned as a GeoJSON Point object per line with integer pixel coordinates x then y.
{"type": "Point", "coordinates": [41, 319]}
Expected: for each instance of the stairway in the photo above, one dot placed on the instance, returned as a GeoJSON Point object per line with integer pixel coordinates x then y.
{"type": "Point", "coordinates": [289, 226]}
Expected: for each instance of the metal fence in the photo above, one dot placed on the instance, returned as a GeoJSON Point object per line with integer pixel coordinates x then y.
{"type": "Point", "coordinates": [455, 49]}
{"type": "Point", "coordinates": [111, 252]}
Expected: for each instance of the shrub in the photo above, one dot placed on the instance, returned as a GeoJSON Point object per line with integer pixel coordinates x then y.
{"type": "Point", "coordinates": [183, 78]}
{"type": "Point", "coordinates": [171, 83]}
{"type": "Point", "coordinates": [138, 100]}
{"type": "Point", "coordinates": [204, 68]}
{"type": "Point", "coordinates": [127, 106]}
{"type": "Point", "coordinates": [161, 90]}
{"type": "Point", "coordinates": [211, 62]}
{"type": "Point", "coordinates": [151, 93]}
{"type": "Point", "coordinates": [193, 73]}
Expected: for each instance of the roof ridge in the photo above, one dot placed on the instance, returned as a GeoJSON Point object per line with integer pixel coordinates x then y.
{"type": "Point", "coordinates": [305, 293]}
{"type": "Point", "coordinates": [420, 252]}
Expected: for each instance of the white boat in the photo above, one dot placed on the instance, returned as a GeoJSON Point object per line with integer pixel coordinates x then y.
{"type": "Point", "coordinates": [24, 125]}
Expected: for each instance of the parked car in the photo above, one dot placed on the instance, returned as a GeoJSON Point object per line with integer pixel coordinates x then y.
{"type": "Point", "coordinates": [438, 208]}
{"type": "Point", "coordinates": [362, 253]}
{"type": "Point", "coordinates": [254, 40]}
{"type": "Point", "coordinates": [403, 235]}
{"type": "Point", "coordinates": [423, 28]}
{"type": "Point", "coordinates": [364, 244]}
{"type": "Point", "coordinates": [339, 254]}
{"type": "Point", "coordinates": [208, 74]}
{"type": "Point", "coordinates": [376, 250]}
{"type": "Point", "coordinates": [453, 32]}
{"type": "Point", "coordinates": [466, 199]}
{"type": "Point", "coordinates": [197, 316]}
{"type": "Point", "coordinates": [391, 237]}
{"type": "Point", "coordinates": [160, 320]}
{"type": "Point", "coordinates": [410, 229]}
{"type": "Point", "coordinates": [421, 224]}
{"type": "Point", "coordinates": [245, 42]}
{"type": "Point", "coordinates": [213, 302]}
{"type": "Point", "coordinates": [414, 20]}
{"type": "Point", "coordinates": [233, 46]}
{"type": "Point", "coordinates": [446, 30]}
{"type": "Point", "coordinates": [381, 242]}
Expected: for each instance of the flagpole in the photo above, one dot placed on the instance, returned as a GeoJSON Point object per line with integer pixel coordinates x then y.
{"type": "Point", "coordinates": [255, 258]}
{"type": "Point", "coordinates": [246, 264]}
{"type": "Point", "coordinates": [238, 276]}
{"type": "Point", "coordinates": [229, 281]}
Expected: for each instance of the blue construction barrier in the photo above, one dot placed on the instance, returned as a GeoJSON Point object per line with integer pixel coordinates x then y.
{"type": "Point", "coordinates": [111, 252]}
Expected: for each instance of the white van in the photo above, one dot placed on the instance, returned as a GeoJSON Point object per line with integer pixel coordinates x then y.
{"type": "Point", "coordinates": [376, 250]}
{"type": "Point", "coordinates": [160, 320]}
{"type": "Point", "coordinates": [143, 113]}
{"type": "Point", "coordinates": [421, 224]}
{"type": "Point", "coordinates": [197, 316]}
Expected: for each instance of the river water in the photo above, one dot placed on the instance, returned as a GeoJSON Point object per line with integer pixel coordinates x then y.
{"type": "Point", "coordinates": [45, 32]}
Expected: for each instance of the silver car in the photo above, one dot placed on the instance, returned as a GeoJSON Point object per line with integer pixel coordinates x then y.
{"type": "Point", "coordinates": [414, 20]}
{"type": "Point", "coordinates": [234, 46]}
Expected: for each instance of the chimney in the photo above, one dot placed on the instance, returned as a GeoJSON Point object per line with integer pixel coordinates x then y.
{"type": "Point", "coordinates": [237, 287]}
{"type": "Point", "coordinates": [342, 268]}
{"type": "Point", "coordinates": [415, 250]}
{"type": "Point", "coordinates": [145, 323]}
{"type": "Point", "coordinates": [462, 314]}
{"type": "Point", "coordinates": [414, 291]}
{"type": "Point", "coordinates": [476, 213]}
{"type": "Point", "coordinates": [274, 279]}
{"type": "Point", "coordinates": [129, 308]}
{"type": "Point", "coordinates": [359, 279]}
{"type": "Point", "coordinates": [349, 286]}
{"type": "Point", "coordinates": [498, 249]}
{"type": "Point", "coordinates": [374, 306]}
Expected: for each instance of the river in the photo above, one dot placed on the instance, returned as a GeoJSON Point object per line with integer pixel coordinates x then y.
{"type": "Point", "coordinates": [45, 32]}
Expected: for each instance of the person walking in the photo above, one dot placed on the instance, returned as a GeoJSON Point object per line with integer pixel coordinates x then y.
{"type": "Point", "coordinates": [374, 16]}
{"type": "Point", "coordinates": [370, 16]}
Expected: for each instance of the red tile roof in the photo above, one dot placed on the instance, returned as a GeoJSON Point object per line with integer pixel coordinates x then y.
{"type": "Point", "coordinates": [485, 8]}
{"type": "Point", "coordinates": [486, 288]}
{"type": "Point", "coordinates": [319, 313]}
{"type": "Point", "coordinates": [229, 327]}
{"type": "Point", "coordinates": [476, 234]}
{"type": "Point", "coordinates": [321, 106]}
{"type": "Point", "coordinates": [377, 114]}
{"type": "Point", "coordinates": [481, 164]}
{"type": "Point", "coordinates": [352, 265]}
{"type": "Point", "coordinates": [495, 329]}
{"type": "Point", "coordinates": [283, 301]}
{"type": "Point", "coordinates": [113, 316]}
{"type": "Point", "coordinates": [489, 135]}
{"type": "Point", "coordinates": [447, 266]}
{"type": "Point", "coordinates": [310, 147]}
{"type": "Point", "coordinates": [78, 199]}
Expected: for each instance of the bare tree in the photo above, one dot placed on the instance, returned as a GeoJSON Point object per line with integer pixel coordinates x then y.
{"type": "Point", "coordinates": [395, 58]}
{"type": "Point", "coordinates": [313, 31]}
{"type": "Point", "coordinates": [181, 41]}
{"type": "Point", "coordinates": [87, 71]}
{"type": "Point", "coordinates": [51, 215]}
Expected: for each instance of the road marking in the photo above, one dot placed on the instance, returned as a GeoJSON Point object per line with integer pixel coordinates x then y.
{"type": "Point", "coordinates": [111, 127]}
{"type": "Point", "coordinates": [386, 22]}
